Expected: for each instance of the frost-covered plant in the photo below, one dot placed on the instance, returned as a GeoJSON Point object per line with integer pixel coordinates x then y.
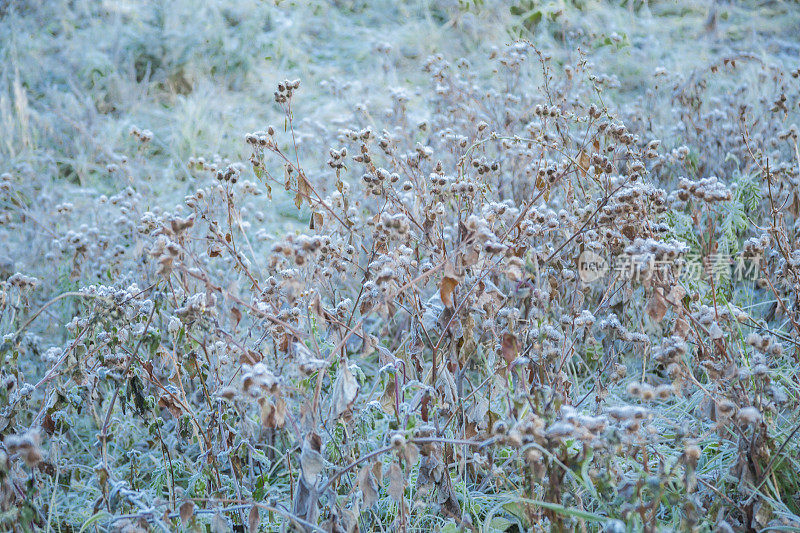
{"type": "Point", "coordinates": [427, 347]}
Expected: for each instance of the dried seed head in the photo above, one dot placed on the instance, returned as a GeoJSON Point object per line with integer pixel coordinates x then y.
{"type": "Point", "coordinates": [749, 415]}
{"type": "Point", "coordinates": [398, 441]}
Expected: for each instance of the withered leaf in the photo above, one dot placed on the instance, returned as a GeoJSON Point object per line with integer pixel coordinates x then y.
{"type": "Point", "coordinates": [349, 521]}
{"type": "Point", "coordinates": [368, 343]}
{"type": "Point", "coordinates": [367, 485]}
{"type": "Point", "coordinates": [410, 454]}
{"type": "Point", "coordinates": [446, 386]}
{"type": "Point", "coordinates": [510, 348]}
{"type": "Point", "coordinates": [423, 406]}
{"type": "Point", "coordinates": [794, 207]}
{"type": "Point", "coordinates": [253, 519]}
{"type": "Point", "coordinates": [316, 306]}
{"type": "Point", "coordinates": [583, 162]}
{"type": "Point", "coordinates": [250, 357]}
{"type": "Point", "coordinates": [477, 411]}
{"type": "Point", "coordinates": [167, 401]}
{"type": "Point", "coordinates": [388, 398]}
{"type": "Point", "coordinates": [219, 524]}
{"type": "Point", "coordinates": [365, 306]}
{"type": "Point", "coordinates": [447, 497]}
{"type": "Point", "coordinates": [446, 289]}
{"type": "Point", "coordinates": [316, 221]}
{"type": "Point", "coordinates": [303, 190]}
{"type": "Point", "coordinates": [48, 424]}
{"type": "Point", "coordinates": [377, 471]}
{"type": "Point", "coordinates": [425, 477]}
{"type": "Point", "coordinates": [675, 296]}
{"type": "Point", "coordinates": [311, 462]}
{"type": "Point", "coordinates": [273, 414]}
{"type": "Point", "coordinates": [237, 316]}
{"type": "Point", "coordinates": [186, 511]}
{"type": "Point", "coordinates": [283, 345]}
{"type": "Point", "coordinates": [681, 328]}
{"type": "Point", "coordinates": [656, 307]}
{"type": "Point", "coordinates": [345, 391]}
{"type": "Point", "coordinates": [397, 483]}
{"type": "Point", "coordinates": [470, 430]}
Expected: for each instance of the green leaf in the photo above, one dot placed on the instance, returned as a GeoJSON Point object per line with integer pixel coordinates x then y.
{"type": "Point", "coordinates": [532, 20]}
{"type": "Point", "coordinates": [94, 518]}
